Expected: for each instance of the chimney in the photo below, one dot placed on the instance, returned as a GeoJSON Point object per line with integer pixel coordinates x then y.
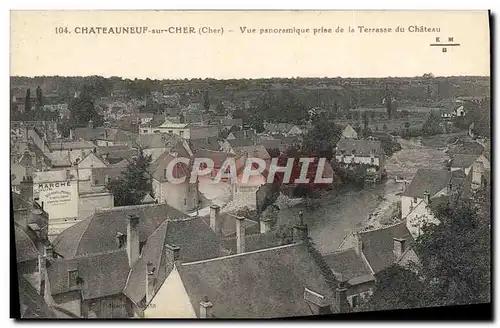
{"type": "Point", "coordinates": [49, 252]}
{"type": "Point", "coordinates": [132, 239]}
{"type": "Point", "coordinates": [399, 247]}
{"type": "Point", "coordinates": [214, 218]}
{"type": "Point", "coordinates": [265, 225]}
{"type": "Point", "coordinates": [26, 188]}
{"type": "Point", "coordinates": [300, 229]}
{"type": "Point", "coordinates": [172, 253]}
{"type": "Point", "coordinates": [150, 281]}
{"type": "Point", "coordinates": [206, 308]}
{"type": "Point", "coordinates": [71, 134]}
{"type": "Point", "coordinates": [427, 197]}
{"type": "Point", "coordinates": [240, 234]}
{"type": "Point", "coordinates": [42, 269]}
{"type": "Point", "coordinates": [341, 298]}
{"type": "Point", "coordinates": [359, 243]}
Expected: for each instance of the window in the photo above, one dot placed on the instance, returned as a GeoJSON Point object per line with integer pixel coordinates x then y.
{"type": "Point", "coordinates": [415, 200]}
{"type": "Point", "coordinates": [145, 131]}
{"type": "Point", "coordinates": [185, 202]}
{"type": "Point", "coordinates": [181, 133]}
{"type": "Point", "coordinates": [170, 131]}
{"type": "Point", "coordinates": [372, 160]}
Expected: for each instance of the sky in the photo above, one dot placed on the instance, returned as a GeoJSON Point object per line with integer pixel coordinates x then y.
{"type": "Point", "coordinates": [37, 49]}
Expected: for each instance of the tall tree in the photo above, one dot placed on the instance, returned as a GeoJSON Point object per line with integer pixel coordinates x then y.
{"type": "Point", "coordinates": [27, 101]}
{"type": "Point", "coordinates": [39, 97]}
{"type": "Point", "coordinates": [83, 110]}
{"type": "Point", "coordinates": [135, 182]}
{"type": "Point", "coordinates": [206, 101]}
{"type": "Point", "coordinates": [388, 102]}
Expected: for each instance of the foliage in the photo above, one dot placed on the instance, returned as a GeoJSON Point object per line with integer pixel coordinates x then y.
{"type": "Point", "coordinates": [27, 101]}
{"type": "Point", "coordinates": [82, 110]}
{"type": "Point", "coordinates": [432, 125]}
{"type": "Point", "coordinates": [135, 182]}
{"type": "Point", "coordinates": [454, 256]}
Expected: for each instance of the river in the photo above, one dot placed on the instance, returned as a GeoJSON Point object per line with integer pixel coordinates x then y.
{"type": "Point", "coordinates": [345, 210]}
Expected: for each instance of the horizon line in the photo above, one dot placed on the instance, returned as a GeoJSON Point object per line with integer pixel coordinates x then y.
{"type": "Point", "coordinates": [246, 78]}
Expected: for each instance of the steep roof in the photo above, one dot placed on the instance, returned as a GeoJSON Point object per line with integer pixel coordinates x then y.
{"type": "Point", "coordinates": [360, 147]}
{"type": "Point", "coordinates": [254, 242]}
{"type": "Point", "coordinates": [99, 174]}
{"type": "Point", "coordinates": [217, 156]}
{"type": "Point", "coordinates": [26, 249]}
{"type": "Point", "coordinates": [244, 134]}
{"type": "Point", "coordinates": [235, 143]}
{"type": "Point", "coordinates": [378, 244]}
{"type": "Point", "coordinates": [210, 143]}
{"type": "Point", "coordinates": [103, 274]}
{"type": "Point", "coordinates": [347, 265]}
{"type": "Point", "coordinates": [179, 170]}
{"type": "Point", "coordinates": [429, 180]}
{"type": "Point", "coordinates": [97, 233]}
{"type": "Point", "coordinates": [463, 160]}
{"type": "Point", "coordinates": [159, 140]}
{"type": "Point", "coordinates": [257, 151]}
{"type": "Point", "coordinates": [267, 283]}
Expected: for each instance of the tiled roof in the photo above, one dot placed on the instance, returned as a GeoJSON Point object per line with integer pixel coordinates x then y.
{"type": "Point", "coordinates": [359, 147]}
{"type": "Point", "coordinates": [244, 134]}
{"type": "Point", "coordinates": [71, 145]}
{"type": "Point", "coordinates": [99, 174]}
{"type": "Point", "coordinates": [378, 244]}
{"type": "Point", "coordinates": [25, 247]}
{"type": "Point", "coordinates": [347, 265]}
{"type": "Point", "coordinates": [463, 161]}
{"type": "Point", "coordinates": [235, 143]}
{"type": "Point", "coordinates": [210, 143]}
{"type": "Point", "coordinates": [158, 167]}
{"type": "Point", "coordinates": [429, 180]}
{"type": "Point", "coordinates": [257, 151]}
{"type": "Point", "coordinates": [254, 242]}
{"type": "Point", "coordinates": [267, 283]}
{"type": "Point", "coordinates": [103, 274]}
{"type": "Point", "coordinates": [97, 233]}
{"type": "Point", "coordinates": [158, 140]}
{"type": "Point", "coordinates": [217, 156]}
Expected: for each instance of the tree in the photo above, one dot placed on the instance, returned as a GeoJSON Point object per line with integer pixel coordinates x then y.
{"type": "Point", "coordinates": [206, 101]}
{"type": "Point", "coordinates": [388, 101]}
{"type": "Point", "coordinates": [135, 182]}
{"type": "Point", "coordinates": [455, 261]}
{"type": "Point", "coordinates": [82, 110]}
{"type": "Point", "coordinates": [396, 288]}
{"type": "Point", "coordinates": [27, 101]}
{"type": "Point", "coordinates": [432, 125]}
{"type": "Point", "coordinates": [39, 97]}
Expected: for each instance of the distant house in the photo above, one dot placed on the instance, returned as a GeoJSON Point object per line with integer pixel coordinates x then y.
{"type": "Point", "coordinates": [91, 161]}
{"type": "Point", "coordinates": [110, 265]}
{"type": "Point", "coordinates": [350, 152]}
{"type": "Point", "coordinates": [229, 145]}
{"type": "Point", "coordinates": [351, 267]}
{"type": "Point", "coordinates": [383, 247]}
{"type": "Point", "coordinates": [105, 136]}
{"type": "Point", "coordinates": [182, 196]}
{"type": "Point", "coordinates": [428, 184]}
{"type": "Point", "coordinates": [184, 130]}
{"type": "Point", "coordinates": [464, 162]}
{"type": "Point", "coordinates": [283, 128]}
{"type": "Point", "coordinates": [243, 134]}
{"type": "Point", "coordinates": [209, 143]}
{"type": "Point", "coordinates": [348, 132]}
{"type": "Point", "coordinates": [157, 144]}
{"type": "Point", "coordinates": [71, 152]}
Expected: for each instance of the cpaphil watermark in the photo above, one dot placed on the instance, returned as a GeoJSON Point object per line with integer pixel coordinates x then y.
{"type": "Point", "coordinates": [303, 170]}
